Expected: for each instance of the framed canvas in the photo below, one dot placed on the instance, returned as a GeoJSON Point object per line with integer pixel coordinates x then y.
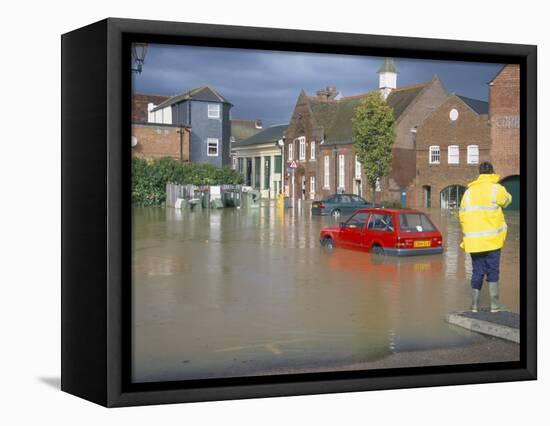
{"type": "Point", "coordinates": [255, 212]}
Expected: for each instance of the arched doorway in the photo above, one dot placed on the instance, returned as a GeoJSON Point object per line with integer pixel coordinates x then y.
{"type": "Point", "coordinates": [450, 196]}
{"type": "Point", "coordinates": [511, 183]}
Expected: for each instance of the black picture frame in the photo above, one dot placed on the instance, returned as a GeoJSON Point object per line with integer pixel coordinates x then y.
{"type": "Point", "coordinates": [96, 226]}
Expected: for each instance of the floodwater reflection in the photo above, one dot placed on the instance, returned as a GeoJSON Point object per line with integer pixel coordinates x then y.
{"type": "Point", "coordinates": [232, 292]}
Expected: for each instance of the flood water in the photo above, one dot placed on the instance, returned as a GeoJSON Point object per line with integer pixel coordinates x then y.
{"type": "Point", "coordinates": [235, 292]}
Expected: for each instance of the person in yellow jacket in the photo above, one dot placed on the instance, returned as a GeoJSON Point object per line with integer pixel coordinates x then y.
{"type": "Point", "coordinates": [484, 231]}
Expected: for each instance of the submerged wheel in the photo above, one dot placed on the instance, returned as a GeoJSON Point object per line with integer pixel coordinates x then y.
{"type": "Point", "coordinates": [328, 243]}
{"type": "Point", "coordinates": [379, 250]}
{"type": "Point", "coordinates": [336, 214]}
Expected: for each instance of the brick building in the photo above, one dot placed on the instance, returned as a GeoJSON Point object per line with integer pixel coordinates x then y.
{"type": "Point", "coordinates": [450, 144]}
{"type": "Point", "coordinates": [140, 105]}
{"type": "Point", "coordinates": [160, 140]}
{"type": "Point", "coordinates": [319, 139]}
{"type": "Point", "coordinates": [504, 98]}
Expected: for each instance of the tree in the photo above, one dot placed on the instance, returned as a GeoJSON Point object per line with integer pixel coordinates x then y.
{"type": "Point", "coordinates": [373, 137]}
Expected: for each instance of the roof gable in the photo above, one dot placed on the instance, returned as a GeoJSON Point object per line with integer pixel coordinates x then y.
{"type": "Point", "coordinates": [203, 93]}
{"type": "Point", "coordinates": [399, 99]}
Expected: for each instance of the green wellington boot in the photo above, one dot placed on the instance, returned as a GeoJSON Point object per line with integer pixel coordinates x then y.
{"type": "Point", "coordinates": [475, 300]}
{"type": "Point", "coordinates": [495, 305]}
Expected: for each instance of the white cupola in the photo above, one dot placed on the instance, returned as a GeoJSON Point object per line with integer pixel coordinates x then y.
{"type": "Point", "coordinates": [387, 77]}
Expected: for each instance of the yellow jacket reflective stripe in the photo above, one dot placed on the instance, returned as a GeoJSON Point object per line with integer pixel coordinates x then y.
{"type": "Point", "coordinates": [481, 217]}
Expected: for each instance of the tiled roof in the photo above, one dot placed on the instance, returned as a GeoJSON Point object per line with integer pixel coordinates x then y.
{"type": "Point", "coordinates": [269, 135]}
{"type": "Point", "coordinates": [243, 129]}
{"type": "Point", "coordinates": [481, 107]}
{"type": "Point", "coordinates": [340, 130]}
{"type": "Point", "coordinates": [203, 93]}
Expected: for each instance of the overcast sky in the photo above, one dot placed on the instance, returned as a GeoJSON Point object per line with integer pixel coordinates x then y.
{"type": "Point", "coordinates": [265, 84]}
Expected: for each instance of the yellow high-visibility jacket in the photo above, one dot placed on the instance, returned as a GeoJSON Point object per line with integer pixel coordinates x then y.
{"type": "Point", "coordinates": [481, 217]}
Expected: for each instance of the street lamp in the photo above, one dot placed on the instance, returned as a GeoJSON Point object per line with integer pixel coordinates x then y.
{"type": "Point", "coordinates": [139, 50]}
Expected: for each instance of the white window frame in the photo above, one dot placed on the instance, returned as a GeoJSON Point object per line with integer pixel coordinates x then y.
{"type": "Point", "coordinates": [312, 184]}
{"type": "Point", "coordinates": [301, 148]}
{"type": "Point", "coordinates": [312, 150]}
{"type": "Point", "coordinates": [453, 157]}
{"type": "Point", "coordinates": [290, 153]}
{"type": "Point", "coordinates": [473, 158]}
{"type": "Point", "coordinates": [432, 154]}
{"type": "Point", "coordinates": [326, 183]}
{"type": "Point", "coordinates": [214, 110]}
{"type": "Point", "coordinates": [212, 141]}
{"type": "Point", "coordinates": [357, 169]}
{"type": "Point", "coordinates": [342, 171]}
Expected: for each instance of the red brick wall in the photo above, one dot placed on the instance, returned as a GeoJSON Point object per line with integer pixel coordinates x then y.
{"type": "Point", "coordinates": [302, 123]}
{"type": "Point", "coordinates": [469, 129]}
{"type": "Point", "coordinates": [139, 105]}
{"type": "Point", "coordinates": [504, 118]}
{"type": "Point", "coordinates": [155, 141]}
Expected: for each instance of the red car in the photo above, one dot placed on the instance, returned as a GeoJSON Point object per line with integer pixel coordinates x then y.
{"type": "Point", "coordinates": [386, 231]}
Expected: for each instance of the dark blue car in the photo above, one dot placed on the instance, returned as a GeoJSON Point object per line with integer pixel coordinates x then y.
{"type": "Point", "coordinates": [340, 204]}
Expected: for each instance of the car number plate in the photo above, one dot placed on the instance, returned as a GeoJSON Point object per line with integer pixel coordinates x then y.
{"type": "Point", "coordinates": [422, 244]}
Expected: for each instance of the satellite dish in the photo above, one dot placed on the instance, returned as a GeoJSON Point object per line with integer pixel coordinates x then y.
{"type": "Point", "coordinates": [134, 141]}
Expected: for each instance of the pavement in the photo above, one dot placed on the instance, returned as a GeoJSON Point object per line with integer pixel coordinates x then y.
{"type": "Point", "coordinates": [504, 325]}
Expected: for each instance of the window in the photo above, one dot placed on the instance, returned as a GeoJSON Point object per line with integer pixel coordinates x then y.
{"type": "Point", "coordinates": [453, 154]}
{"type": "Point", "coordinates": [290, 148]}
{"type": "Point", "coordinates": [357, 169]}
{"type": "Point", "coordinates": [358, 220]}
{"type": "Point", "coordinates": [312, 184]}
{"type": "Point", "coordinates": [212, 147]}
{"type": "Point", "coordinates": [326, 178]}
{"type": "Point", "coordinates": [473, 154]}
{"type": "Point", "coordinates": [357, 199]}
{"type": "Point", "coordinates": [435, 154]}
{"type": "Point", "coordinates": [312, 150]}
{"type": "Point", "coordinates": [213, 110]}
{"type": "Point", "coordinates": [345, 199]}
{"type": "Point", "coordinates": [341, 171]}
{"type": "Point", "coordinates": [415, 222]}
{"type": "Point", "coordinates": [302, 147]}
{"type": "Point", "coordinates": [381, 222]}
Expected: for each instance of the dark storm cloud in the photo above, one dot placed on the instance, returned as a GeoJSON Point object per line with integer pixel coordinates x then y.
{"type": "Point", "coordinates": [266, 84]}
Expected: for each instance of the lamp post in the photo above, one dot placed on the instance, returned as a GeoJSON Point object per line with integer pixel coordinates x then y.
{"type": "Point", "coordinates": [139, 50]}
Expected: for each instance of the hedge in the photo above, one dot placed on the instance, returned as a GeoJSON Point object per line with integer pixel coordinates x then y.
{"type": "Point", "coordinates": [149, 177]}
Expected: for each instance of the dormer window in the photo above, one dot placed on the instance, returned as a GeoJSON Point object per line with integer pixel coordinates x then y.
{"type": "Point", "coordinates": [213, 110]}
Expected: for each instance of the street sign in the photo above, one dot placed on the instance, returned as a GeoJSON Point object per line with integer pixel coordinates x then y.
{"type": "Point", "coordinates": [289, 170]}
{"type": "Point", "coordinates": [293, 165]}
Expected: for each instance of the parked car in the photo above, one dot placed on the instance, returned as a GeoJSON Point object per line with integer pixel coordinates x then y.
{"type": "Point", "coordinates": [385, 231]}
{"type": "Point", "coordinates": [340, 204]}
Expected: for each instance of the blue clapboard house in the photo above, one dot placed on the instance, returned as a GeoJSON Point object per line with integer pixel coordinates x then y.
{"type": "Point", "coordinates": [207, 113]}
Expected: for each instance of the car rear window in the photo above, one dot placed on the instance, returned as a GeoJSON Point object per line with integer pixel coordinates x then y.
{"type": "Point", "coordinates": [415, 222]}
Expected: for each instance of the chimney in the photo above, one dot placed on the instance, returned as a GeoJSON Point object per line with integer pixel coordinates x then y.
{"type": "Point", "coordinates": [327, 94]}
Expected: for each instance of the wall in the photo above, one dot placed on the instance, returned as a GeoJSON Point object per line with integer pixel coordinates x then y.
{"type": "Point", "coordinates": [155, 141]}
{"type": "Point", "coordinates": [504, 95]}
{"type": "Point", "coordinates": [302, 123]}
{"type": "Point", "coordinates": [469, 129]}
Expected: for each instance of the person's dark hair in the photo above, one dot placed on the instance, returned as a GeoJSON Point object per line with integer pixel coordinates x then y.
{"type": "Point", "coordinates": [486, 168]}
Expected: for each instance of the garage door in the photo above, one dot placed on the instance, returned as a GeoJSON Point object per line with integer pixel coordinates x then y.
{"type": "Point", "coordinates": [511, 184]}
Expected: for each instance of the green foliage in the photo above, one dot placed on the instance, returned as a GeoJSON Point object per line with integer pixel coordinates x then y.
{"type": "Point", "coordinates": [149, 177]}
{"type": "Point", "coordinates": [373, 136]}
